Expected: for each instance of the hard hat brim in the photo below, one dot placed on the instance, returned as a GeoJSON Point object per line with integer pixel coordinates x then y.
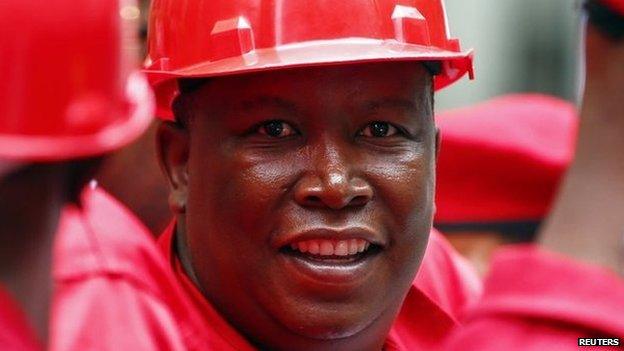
{"type": "Point", "coordinates": [309, 54]}
{"type": "Point", "coordinates": [36, 148]}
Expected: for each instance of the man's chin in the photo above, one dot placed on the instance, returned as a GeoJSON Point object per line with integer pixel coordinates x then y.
{"type": "Point", "coordinates": [328, 327]}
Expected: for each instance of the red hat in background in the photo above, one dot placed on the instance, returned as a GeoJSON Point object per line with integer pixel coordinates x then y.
{"type": "Point", "coordinates": [501, 161]}
{"type": "Point", "coordinates": [69, 89]}
{"type": "Point", "coordinates": [616, 5]}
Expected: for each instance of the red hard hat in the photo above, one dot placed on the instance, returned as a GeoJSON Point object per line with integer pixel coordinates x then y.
{"type": "Point", "coordinates": [616, 5]}
{"type": "Point", "coordinates": [68, 90]}
{"type": "Point", "coordinates": [501, 161]}
{"type": "Point", "coordinates": [198, 38]}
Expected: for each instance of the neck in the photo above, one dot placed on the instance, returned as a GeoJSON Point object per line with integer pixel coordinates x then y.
{"type": "Point", "coordinates": [29, 215]}
{"type": "Point", "coordinates": [587, 222]}
{"type": "Point", "coordinates": [372, 338]}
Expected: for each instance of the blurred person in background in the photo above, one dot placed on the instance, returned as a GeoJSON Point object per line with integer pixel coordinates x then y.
{"type": "Point", "coordinates": [499, 167]}
{"type": "Point", "coordinates": [70, 96]}
{"type": "Point", "coordinates": [299, 146]}
{"type": "Point", "coordinates": [571, 287]}
{"type": "Point", "coordinates": [132, 174]}
{"type": "Point", "coordinates": [592, 198]}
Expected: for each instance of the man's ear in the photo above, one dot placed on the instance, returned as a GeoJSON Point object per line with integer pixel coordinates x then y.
{"type": "Point", "coordinates": [438, 144]}
{"type": "Point", "coordinates": [172, 145]}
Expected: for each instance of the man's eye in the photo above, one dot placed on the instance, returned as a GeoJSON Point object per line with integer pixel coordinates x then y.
{"type": "Point", "coordinates": [379, 130]}
{"type": "Point", "coordinates": [276, 129]}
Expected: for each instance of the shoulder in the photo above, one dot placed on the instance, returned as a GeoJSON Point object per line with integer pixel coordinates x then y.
{"type": "Point", "coordinates": [15, 333]}
{"type": "Point", "coordinates": [536, 300]}
{"type": "Point", "coordinates": [113, 287]}
{"type": "Point", "coordinates": [446, 277]}
{"type": "Point", "coordinates": [104, 238]}
{"type": "Point", "coordinates": [112, 314]}
{"type": "Point", "coordinates": [444, 286]}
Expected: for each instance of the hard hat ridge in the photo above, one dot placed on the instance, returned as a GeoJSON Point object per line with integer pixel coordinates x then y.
{"type": "Point", "coordinates": [194, 39]}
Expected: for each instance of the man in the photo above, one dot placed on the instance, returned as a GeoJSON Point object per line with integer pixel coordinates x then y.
{"type": "Point", "coordinates": [536, 299]}
{"type": "Point", "coordinates": [68, 99]}
{"type": "Point", "coordinates": [499, 168]}
{"type": "Point", "coordinates": [300, 152]}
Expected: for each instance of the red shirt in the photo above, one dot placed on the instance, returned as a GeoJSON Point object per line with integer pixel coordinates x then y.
{"type": "Point", "coordinates": [447, 277]}
{"type": "Point", "coordinates": [15, 333]}
{"type": "Point", "coordinates": [441, 290]}
{"type": "Point", "coordinates": [113, 288]}
{"type": "Point", "coordinates": [535, 300]}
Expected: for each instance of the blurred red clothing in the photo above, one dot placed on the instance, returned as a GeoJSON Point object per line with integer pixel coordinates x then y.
{"type": "Point", "coordinates": [616, 5]}
{"type": "Point", "coordinates": [505, 156]}
{"type": "Point", "coordinates": [536, 300]}
{"type": "Point", "coordinates": [443, 288]}
{"type": "Point", "coordinates": [113, 288]}
{"type": "Point", "coordinates": [448, 278]}
{"type": "Point", "coordinates": [15, 333]}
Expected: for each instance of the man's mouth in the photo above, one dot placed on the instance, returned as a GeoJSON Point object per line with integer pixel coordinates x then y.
{"type": "Point", "coordinates": [331, 251]}
{"type": "Point", "coordinates": [330, 257]}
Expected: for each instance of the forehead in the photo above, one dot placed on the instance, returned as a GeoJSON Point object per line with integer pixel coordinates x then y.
{"type": "Point", "coordinates": [321, 85]}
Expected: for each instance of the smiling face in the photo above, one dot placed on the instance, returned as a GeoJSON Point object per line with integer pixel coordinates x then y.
{"type": "Point", "coordinates": [304, 198]}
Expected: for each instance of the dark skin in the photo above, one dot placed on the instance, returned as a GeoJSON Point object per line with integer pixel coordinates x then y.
{"type": "Point", "coordinates": [32, 199]}
{"type": "Point", "coordinates": [586, 222]}
{"type": "Point", "coordinates": [267, 159]}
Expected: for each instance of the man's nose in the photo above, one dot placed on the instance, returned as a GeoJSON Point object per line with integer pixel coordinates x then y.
{"type": "Point", "coordinates": [332, 181]}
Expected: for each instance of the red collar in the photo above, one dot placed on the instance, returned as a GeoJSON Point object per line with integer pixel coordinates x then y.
{"type": "Point", "coordinates": [421, 323]}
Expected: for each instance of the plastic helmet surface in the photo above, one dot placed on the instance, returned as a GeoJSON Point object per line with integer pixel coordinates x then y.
{"type": "Point", "coordinates": [616, 5]}
{"type": "Point", "coordinates": [69, 89]}
{"type": "Point", "coordinates": [198, 38]}
{"type": "Point", "coordinates": [502, 160]}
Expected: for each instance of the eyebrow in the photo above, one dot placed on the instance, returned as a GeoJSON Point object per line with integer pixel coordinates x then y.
{"type": "Point", "coordinates": [391, 102]}
{"type": "Point", "coordinates": [268, 101]}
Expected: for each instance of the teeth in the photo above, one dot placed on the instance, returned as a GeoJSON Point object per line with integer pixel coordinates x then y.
{"type": "Point", "coordinates": [331, 247]}
{"type": "Point", "coordinates": [303, 246]}
{"type": "Point", "coordinates": [341, 248]}
{"type": "Point", "coordinates": [314, 247]}
{"type": "Point", "coordinates": [361, 246]}
{"type": "Point", "coordinates": [353, 246]}
{"type": "Point", "coordinates": [327, 248]}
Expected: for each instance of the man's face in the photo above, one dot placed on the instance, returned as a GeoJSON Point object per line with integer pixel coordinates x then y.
{"type": "Point", "coordinates": [307, 195]}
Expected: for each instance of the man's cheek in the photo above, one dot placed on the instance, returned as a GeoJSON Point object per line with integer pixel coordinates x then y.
{"type": "Point", "coordinates": [402, 186]}
{"type": "Point", "coordinates": [265, 181]}
{"type": "Point", "coordinates": [243, 198]}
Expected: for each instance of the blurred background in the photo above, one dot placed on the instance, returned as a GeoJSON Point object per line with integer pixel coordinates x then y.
{"type": "Point", "coordinates": [520, 46]}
